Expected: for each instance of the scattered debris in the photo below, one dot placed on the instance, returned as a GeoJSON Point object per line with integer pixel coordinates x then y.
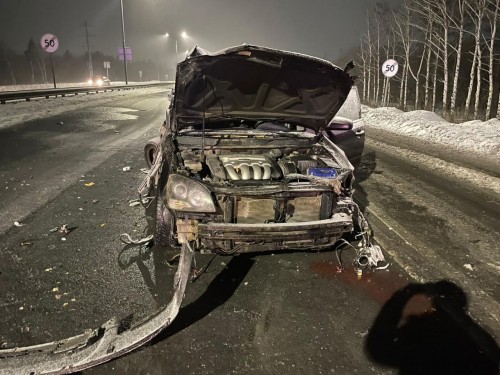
{"type": "Point", "coordinates": [64, 229]}
{"type": "Point", "coordinates": [56, 289]}
{"type": "Point", "coordinates": [26, 243]}
{"type": "Point", "coordinates": [73, 299]}
{"type": "Point", "coordinates": [63, 238]}
{"type": "Point", "coordinates": [53, 230]}
{"type": "Point", "coordinates": [65, 304]}
{"type": "Point", "coordinates": [362, 334]}
{"type": "Point", "coordinates": [58, 296]}
{"type": "Point", "coordinates": [468, 266]}
{"type": "Point", "coordinates": [125, 238]}
{"type": "Point", "coordinates": [126, 169]}
{"type": "Point", "coordinates": [18, 224]}
{"type": "Point", "coordinates": [103, 224]}
{"type": "Point", "coordinates": [80, 209]}
{"type": "Point", "coordinates": [245, 283]}
{"type": "Point", "coordinates": [21, 308]}
{"type": "Point", "coordinates": [49, 269]}
{"type": "Point", "coordinates": [95, 201]}
{"type": "Point", "coordinates": [145, 170]}
{"type": "Point", "coordinates": [90, 184]}
{"type": "Point", "coordinates": [136, 203]}
{"type": "Point", "coordinates": [60, 123]}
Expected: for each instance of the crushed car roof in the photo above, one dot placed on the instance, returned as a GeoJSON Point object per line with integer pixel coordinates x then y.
{"type": "Point", "coordinates": [259, 83]}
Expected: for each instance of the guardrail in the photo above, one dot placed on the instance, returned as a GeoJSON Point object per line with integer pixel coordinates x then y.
{"type": "Point", "coordinates": [47, 93]}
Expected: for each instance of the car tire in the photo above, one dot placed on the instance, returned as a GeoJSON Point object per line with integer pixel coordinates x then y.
{"type": "Point", "coordinates": [150, 150]}
{"type": "Point", "coordinates": [164, 224]}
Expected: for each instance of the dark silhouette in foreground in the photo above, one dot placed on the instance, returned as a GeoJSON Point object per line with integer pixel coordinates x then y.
{"type": "Point", "coordinates": [442, 339]}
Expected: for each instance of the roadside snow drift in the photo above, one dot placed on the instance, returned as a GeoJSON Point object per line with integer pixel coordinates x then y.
{"type": "Point", "coordinates": [479, 137]}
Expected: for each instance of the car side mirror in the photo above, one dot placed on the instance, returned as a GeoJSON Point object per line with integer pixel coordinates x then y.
{"type": "Point", "coordinates": [340, 123]}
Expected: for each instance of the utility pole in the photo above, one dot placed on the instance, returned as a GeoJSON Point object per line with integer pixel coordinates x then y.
{"type": "Point", "coordinates": [123, 40]}
{"type": "Point", "coordinates": [158, 65]}
{"type": "Point", "coordinates": [91, 70]}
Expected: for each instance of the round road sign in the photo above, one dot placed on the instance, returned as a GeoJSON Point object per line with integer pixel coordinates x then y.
{"type": "Point", "coordinates": [49, 43]}
{"type": "Point", "coordinates": [390, 68]}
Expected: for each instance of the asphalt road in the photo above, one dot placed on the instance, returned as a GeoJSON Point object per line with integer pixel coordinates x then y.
{"type": "Point", "coordinates": [293, 312]}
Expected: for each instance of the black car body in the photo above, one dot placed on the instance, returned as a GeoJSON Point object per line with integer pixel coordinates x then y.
{"type": "Point", "coordinates": [245, 161]}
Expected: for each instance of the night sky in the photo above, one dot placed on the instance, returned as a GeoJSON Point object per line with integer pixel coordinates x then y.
{"type": "Point", "coordinates": [323, 28]}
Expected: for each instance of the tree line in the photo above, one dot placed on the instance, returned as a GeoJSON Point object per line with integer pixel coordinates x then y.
{"type": "Point", "coordinates": [34, 67]}
{"type": "Point", "coordinates": [447, 52]}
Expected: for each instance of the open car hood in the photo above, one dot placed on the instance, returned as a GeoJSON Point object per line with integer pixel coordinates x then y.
{"type": "Point", "coordinates": [259, 83]}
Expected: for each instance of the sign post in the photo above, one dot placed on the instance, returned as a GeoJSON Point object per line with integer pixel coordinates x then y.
{"type": "Point", "coordinates": [50, 44]}
{"type": "Point", "coordinates": [107, 66]}
{"type": "Point", "coordinates": [140, 75]}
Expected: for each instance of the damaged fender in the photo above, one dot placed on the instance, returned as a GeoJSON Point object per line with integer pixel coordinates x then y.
{"type": "Point", "coordinates": [98, 346]}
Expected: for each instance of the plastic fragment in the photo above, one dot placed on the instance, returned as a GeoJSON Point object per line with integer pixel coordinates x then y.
{"type": "Point", "coordinates": [468, 266]}
{"type": "Point", "coordinates": [126, 169]}
{"type": "Point", "coordinates": [26, 243]}
{"type": "Point", "coordinates": [18, 224]}
{"type": "Point", "coordinates": [90, 184]}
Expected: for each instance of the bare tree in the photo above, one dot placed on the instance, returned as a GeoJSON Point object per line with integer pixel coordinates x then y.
{"type": "Point", "coordinates": [492, 16]}
{"type": "Point", "coordinates": [458, 23]}
{"type": "Point", "coordinates": [476, 11]}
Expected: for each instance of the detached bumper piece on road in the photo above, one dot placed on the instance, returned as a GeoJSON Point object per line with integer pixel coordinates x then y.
{"type": "Point", "coordinates": [109, 341]}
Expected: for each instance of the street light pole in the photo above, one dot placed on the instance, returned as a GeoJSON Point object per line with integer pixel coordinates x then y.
{"type": "Point", "coordinates": [176, 57]}
{"type": "Point", "coordinates": [123, 39]}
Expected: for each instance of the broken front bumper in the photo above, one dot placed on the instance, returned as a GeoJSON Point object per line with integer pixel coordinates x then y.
{"type": "Point", "coordinates": [241, 238]}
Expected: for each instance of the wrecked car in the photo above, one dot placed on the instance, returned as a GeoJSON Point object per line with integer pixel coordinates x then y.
{"type": "Point", "coordinates": [246, 162]}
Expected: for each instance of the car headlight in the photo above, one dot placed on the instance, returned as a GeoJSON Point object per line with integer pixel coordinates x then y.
{"type": "Point", "coordinates": [90, 82]}
{"type": "Point", "coordinates": [99, 82]}
{"type": "Point", "coordinates": [184, 194]}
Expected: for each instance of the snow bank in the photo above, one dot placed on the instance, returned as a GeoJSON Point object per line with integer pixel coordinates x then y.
{"type": "Point", "coordinates": [17, 112]}
{"type": "Point", "coordinates": [479, 137]}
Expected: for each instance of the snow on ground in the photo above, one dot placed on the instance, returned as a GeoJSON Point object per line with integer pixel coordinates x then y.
{"type": "Point", "coordinates": [17, 112]}
{"type": "Point", "coordinates": [479, 137]}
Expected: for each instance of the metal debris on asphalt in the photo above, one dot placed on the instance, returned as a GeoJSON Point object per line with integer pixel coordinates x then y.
{"type": "Point", "coordinates": [125, 238]}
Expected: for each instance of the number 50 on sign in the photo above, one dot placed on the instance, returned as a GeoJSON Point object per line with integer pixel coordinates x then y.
{"type": "Point", "coordinates": [49, 43]}
{"type": "Point", "coordinates": [390, 68]}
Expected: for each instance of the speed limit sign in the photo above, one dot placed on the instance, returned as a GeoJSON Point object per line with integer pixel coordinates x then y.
{"type": "Point", "coordinates": [390, 68]}
{"type": "Point", "coordinates": [49, 43]}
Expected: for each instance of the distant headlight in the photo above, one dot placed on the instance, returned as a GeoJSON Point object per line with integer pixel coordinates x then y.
{"type": "Point", "coordinates": [184, 194]}
{"type": "Point", "coordinates": [99, 82]}
{"type": "Point", "coordinates": [90, 82]}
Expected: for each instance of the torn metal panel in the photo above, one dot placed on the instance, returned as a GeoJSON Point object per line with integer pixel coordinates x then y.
{"type": "Point", "coordinates": [100, 345]}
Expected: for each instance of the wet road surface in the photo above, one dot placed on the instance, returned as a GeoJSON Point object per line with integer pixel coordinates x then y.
{"type": "Point", "coordinates": [293, 312]}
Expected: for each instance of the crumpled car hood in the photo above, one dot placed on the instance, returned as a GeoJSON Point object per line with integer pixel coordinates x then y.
{"type": "Point", "coordinates": [259, 83]}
